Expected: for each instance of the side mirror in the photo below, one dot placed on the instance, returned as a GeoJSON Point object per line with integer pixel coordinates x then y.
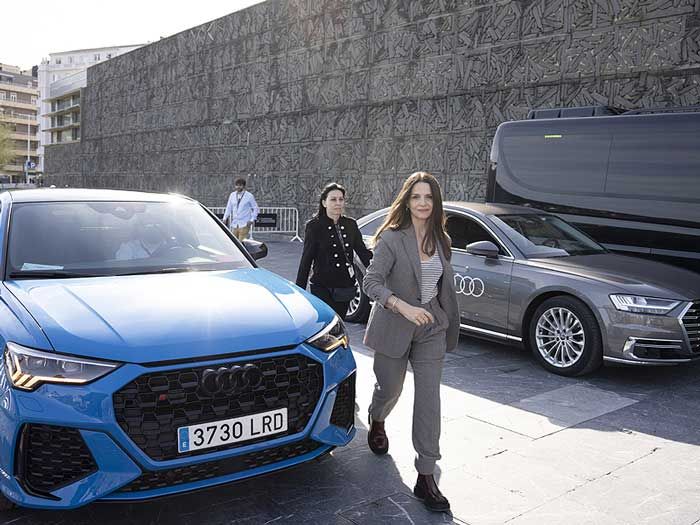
{"type": "Point", "coordinates": [256, 249]}
{"type": "Point", "coordinates": [483, 248]}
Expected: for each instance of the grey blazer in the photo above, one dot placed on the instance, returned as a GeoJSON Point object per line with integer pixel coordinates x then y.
{"type": "Point", "coordinates": [395, 270]}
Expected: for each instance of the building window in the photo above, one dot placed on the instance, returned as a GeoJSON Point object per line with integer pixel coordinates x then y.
{"type": "Point", "coordinates": [97, 56]}
{"type": "Point", "coordinates": [109, 55]}
{"type": "Point", "coordinates": [58, 61]}
{"type": "Point", "coordinates": [34, 100]}
{"type": "Point", "coordinates": [13, 97]}
{"type": "Point", "coordinates": [3, 95]}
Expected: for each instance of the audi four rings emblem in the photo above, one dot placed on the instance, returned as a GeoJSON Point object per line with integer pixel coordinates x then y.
{"type": "Point", "coordinates": [469, 286]}
{"type": "Point", "coordinates": [231, 380]}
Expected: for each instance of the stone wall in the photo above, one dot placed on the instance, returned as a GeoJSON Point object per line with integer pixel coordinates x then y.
{"type": "Point", "coordinates": [298, 93]}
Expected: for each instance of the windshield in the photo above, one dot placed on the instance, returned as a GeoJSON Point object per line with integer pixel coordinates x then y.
{"type": "Point", "coordinates": [546, 236]}
{"type": "Point", "coordinates": [75, 239]}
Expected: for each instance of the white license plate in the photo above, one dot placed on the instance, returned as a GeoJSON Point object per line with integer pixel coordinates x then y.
{"type": "Point", "coordinates": [216, 433]}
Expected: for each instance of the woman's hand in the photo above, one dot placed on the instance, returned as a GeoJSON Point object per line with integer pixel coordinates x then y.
{"type": "Point", "coordinates": [418, 316]}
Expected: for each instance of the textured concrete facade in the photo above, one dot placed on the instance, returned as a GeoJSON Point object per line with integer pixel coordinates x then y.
{"type": "Point", "coordinates": [301, 92]}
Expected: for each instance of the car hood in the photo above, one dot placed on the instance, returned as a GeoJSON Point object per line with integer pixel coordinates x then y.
{"type": "Point", "coordinates": [147, 318]}
{"type": "Point", "coordinates": [629, 274]}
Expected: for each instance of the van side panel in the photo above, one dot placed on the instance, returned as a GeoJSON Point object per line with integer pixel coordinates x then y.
{"type": "Point", "coordinates": [631, 182]}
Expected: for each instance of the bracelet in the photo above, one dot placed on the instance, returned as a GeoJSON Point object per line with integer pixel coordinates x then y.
{"type": "Point", "coordinates": [393, 304]}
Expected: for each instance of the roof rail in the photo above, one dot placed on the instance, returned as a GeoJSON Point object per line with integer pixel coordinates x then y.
{"type": "Point", "coordinates": [582, 111]}
{"type": "Point", "coordinates": [672, 109]}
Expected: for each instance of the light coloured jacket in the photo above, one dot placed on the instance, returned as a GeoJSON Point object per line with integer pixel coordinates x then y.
{"type": "Point", "coordinates": [243, 212]}
{"type": "Point", "coordinates": [395, 270]}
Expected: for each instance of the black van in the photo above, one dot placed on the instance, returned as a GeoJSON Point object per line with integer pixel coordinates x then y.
{"type": "Point", "coordinates": [630, 180]}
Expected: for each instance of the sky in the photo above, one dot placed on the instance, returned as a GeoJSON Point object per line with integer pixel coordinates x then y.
{"type": "Point", "coordinates": [30, 31]}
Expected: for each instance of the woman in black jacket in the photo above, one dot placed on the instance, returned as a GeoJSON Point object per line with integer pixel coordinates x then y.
{"type": "Point", "coordinates": [330, 242]}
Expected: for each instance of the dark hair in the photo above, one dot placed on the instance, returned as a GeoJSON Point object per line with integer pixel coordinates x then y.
{"type": "Point", "coordinates": [399, 216]}
{"type": "Point", "coordinates": [239, 180]}
{"type": "Point", "coordinates": [326, 190]}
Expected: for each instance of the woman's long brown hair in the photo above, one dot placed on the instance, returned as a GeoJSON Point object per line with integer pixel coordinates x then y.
{"type": "Point", "coordinates": [399, 216]}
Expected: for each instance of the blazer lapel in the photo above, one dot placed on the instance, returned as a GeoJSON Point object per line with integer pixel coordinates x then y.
{"type": "Point", "coordinates": [410, 244]}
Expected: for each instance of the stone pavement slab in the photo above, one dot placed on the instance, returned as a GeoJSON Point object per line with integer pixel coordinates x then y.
{"type": "Point", "coordinates": [398, 508]}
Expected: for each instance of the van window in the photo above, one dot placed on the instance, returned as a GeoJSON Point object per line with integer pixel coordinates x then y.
{"type": "Point", "coordinates": [655, 165]}
{"type": "Point", "coordinates": [560, 163]}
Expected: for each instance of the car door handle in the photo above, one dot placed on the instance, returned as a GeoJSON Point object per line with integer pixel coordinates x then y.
{"type": "Point", "coordinates": [465, 268]}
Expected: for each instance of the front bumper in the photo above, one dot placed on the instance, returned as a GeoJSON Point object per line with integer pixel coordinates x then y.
{"type": "Point", "coordinates": [651, 339]}
{"type": "Point", "coordinates": [121, 469]}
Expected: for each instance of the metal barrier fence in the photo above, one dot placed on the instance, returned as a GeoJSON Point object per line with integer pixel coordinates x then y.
{"type": "Point", "coordinates": [272, 219]}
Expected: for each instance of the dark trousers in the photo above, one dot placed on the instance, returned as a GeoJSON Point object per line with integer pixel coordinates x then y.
{"type": "Point", "coordinates": [325, 295]}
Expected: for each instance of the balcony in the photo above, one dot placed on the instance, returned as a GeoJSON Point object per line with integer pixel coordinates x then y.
{"type": "Point", "coordinates": [69, 125]}
{"type": "Point", "coordinates": [23, 152]}
{"type": "Point", "coordinates": [19, 88]}
{"type": "Point", "coordinates": [63, 109]}
{"type": "Point", "coordinates": [16, 118]}
{"type": "Point", "coordinates": [23, 136]}
{"type": "Point", "coordinates": [19, 105]}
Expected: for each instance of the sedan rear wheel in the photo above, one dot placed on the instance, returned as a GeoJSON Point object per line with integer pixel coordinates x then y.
{"type": "Point", "coordinates": [565, 338]}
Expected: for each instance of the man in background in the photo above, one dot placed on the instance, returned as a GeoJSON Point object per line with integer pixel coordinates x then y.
{"type": "Point", "coordinates": [241, 210]}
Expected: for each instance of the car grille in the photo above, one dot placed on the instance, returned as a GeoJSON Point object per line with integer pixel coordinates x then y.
{"type": "Point", "coordinates": [213, 469]}
{"type": "Point", "coordinates": [691, 322]}
{"type": "Point", "coordinates": [52, 457]}
{"type": "Point", "coordinates": [343, 414]}
{"type": "Point", "coordinates": [151, 408]}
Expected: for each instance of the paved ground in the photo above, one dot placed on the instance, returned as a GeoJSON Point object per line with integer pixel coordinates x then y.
{"type": "Point", "coordinates": [520, 446]}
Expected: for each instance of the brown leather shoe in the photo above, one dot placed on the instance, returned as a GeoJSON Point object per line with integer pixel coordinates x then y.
{"type": "Point", "coordinates": [376, 437]}
{"type": "Point", "coordinates": [428, 492]}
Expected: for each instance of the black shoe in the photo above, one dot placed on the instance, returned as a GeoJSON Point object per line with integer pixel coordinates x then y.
{"type": "Point", "coordinates": [376, 437]}
{"type": "Point", "coordinates": [428, 492]}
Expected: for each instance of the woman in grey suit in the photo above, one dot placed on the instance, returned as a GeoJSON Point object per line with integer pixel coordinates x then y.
{"type": "Point", "coordinates": [414, 318]}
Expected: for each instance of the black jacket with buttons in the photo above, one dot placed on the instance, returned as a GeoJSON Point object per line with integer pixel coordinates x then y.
{"type": "Point", "coordinates": [323, 249]}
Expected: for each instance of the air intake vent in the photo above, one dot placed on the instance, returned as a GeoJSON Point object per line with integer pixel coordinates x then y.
{"type": "Point", "coordinates": [52, 457]}
{"type": "Point", "coordinates": [344, 408]}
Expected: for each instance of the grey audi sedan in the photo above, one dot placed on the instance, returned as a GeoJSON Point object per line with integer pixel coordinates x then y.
{"type": "Point", "coordinates": [527, 277]}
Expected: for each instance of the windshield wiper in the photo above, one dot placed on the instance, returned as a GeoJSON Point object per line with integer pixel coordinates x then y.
{"type": "Point", "coordinates": [178, 269]}
{"type": "Point", "coordinates": [50, 274]}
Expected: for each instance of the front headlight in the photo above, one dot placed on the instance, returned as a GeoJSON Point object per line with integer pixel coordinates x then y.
{"type": "Point", "coordinates": [643, 305]}
{"type": "Point", "coordinates": [28, 369]}
{"type": "Point", "coordinates": [331, 337]}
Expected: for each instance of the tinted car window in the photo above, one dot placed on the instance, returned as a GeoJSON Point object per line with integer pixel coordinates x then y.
{"type": "Point", "coordinates": [546, 236]}
{"type": "Point", "coordinates": [557, 162]}
{"type": "Point", "coordinates": [112, 238]}
{"type": "Point", "coordinates": [464, 231]}
{"type": "Point", "coordinates": [658, 165]}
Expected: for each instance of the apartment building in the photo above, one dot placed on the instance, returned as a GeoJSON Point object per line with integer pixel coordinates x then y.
{"type": "Point", "coordinates": [62, 76]}
{"type": "Point", "coordinates": [19, 96]}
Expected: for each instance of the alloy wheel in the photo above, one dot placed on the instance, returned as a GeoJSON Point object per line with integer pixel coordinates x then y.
{"type": "Point", "coordinates": [560, 337]}
{"type": "Point", "coordinates": [355, 303]}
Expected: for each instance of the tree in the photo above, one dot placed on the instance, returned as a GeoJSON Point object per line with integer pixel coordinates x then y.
{"type": "Point", "coordinates": [6, 143]}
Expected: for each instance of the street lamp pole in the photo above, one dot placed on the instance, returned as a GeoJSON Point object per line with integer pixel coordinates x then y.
{"type": "Point", "coordinates": [29, 135]}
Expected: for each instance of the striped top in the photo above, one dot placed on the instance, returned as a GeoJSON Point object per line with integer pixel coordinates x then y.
{"type": "Point", "coordinates": [431, 271]}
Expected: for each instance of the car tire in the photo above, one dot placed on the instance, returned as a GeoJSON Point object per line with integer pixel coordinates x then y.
{"type": "Point", "coordinates": [5, 504]}
{"type": "Point", "coordinates": [358, 309]}
{"type": "Point", "coordinates": [565, 338]}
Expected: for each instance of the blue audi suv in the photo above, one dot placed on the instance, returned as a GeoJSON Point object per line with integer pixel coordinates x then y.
{"type": "Point", "coordinates": [146, 354]}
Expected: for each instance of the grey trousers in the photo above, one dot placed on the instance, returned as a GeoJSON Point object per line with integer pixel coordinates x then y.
{"type": "Point", "coordinates": [426, 354]}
